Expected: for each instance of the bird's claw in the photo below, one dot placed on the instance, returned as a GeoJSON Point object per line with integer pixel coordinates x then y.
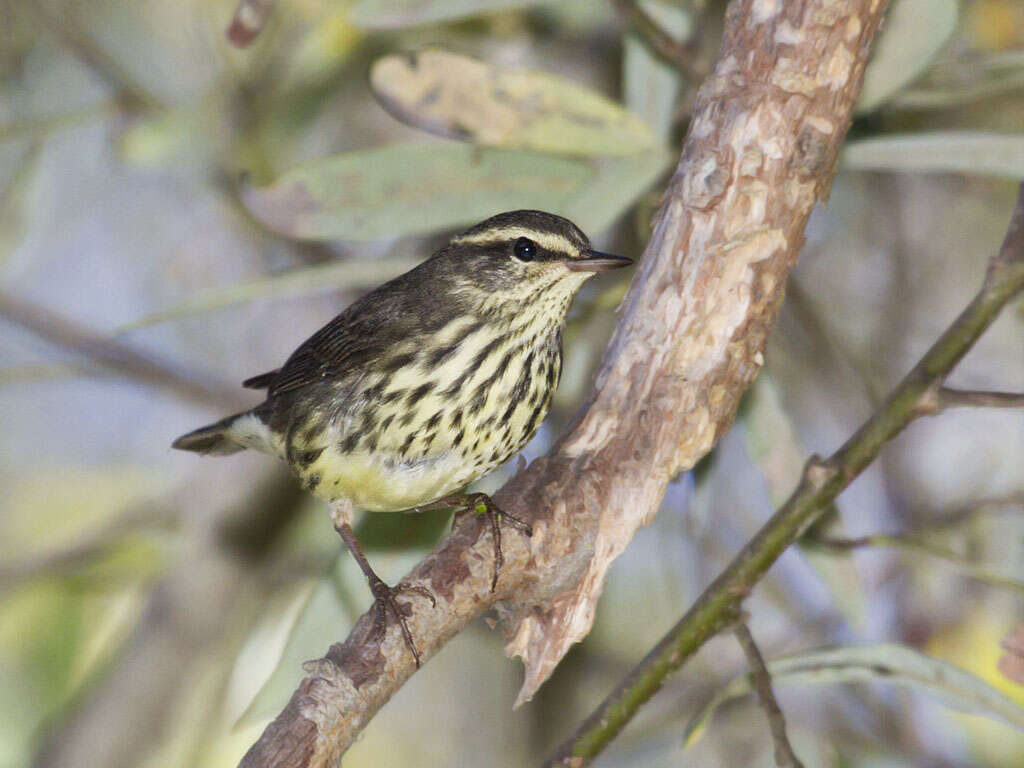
{"type": "Point", "coordinates": [384, 599]}
{"type": "Point", "coordinates": [481, 504]}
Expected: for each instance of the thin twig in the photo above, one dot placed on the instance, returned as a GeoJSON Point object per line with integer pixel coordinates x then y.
{"type": "Point", "coordinates": [822, 481]}
{"type": "Point", "coordinates": [131, 93]}
{"type": "Point", "coordinates": [914, 545]}
{"type": "Point", "coordinates": [686, 57]}
{"type": "Point", "coordinates": [960, 398]}
{"type": "Point", "coordinates": [115, 355]}
{"type": "Point", "coordinates": [762, 683]}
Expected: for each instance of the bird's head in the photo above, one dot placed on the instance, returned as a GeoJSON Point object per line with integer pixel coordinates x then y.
{"type": "Point", "coordinates": [524, 258]}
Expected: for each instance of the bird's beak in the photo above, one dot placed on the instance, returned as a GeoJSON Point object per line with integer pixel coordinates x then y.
{"type": "Point", "coordinates": [595, 261]}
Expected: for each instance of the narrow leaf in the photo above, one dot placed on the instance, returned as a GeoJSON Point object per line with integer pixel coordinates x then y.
{"type": "Point", "coordinates": [410, 188]}
{"type": "Point", "coordinates": [891, 663]}
{"type": "Point", "coordinates": [616, 184]}
{"type": "Point", "coordinates": [397, 14]}
{"type": "Point", "coordinates": [464, 98]}
{"type": "Point", "coordinates": [963, 79]}
{"type": "Point", "coordinates": [967, 152]}
{"type": "Point", "coordinates": [906, 47]}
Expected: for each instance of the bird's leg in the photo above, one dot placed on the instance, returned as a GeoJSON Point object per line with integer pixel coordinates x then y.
{"type": "Point", "coordinates": [384, 596]}
{"type": "Point", "coordinates": [481, 504]}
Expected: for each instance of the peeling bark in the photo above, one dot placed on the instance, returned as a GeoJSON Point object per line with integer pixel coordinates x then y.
{"type": "Point", "coordinates": [762, 149]}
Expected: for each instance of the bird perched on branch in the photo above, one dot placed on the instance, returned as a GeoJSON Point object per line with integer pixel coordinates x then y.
{"type": "Point", "coordinates": [425, 384]}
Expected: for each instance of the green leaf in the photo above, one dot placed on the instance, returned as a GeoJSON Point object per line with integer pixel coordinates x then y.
{"type": "Point", "coordinates": [396, 14]}
{"type": "Point", "coordinates": [776, 450]}
{"type": "Point", "coordinates": [962, 79]}
{"type": "Point", "coordinates": [296, 282]}
{"type": "Point", "coordinates": [649, 85]}
{"type": "Point", "coordinates": [616, 184]}
{"type": "Point", "coordinates": [906, 47]}
{"type": "Point", "coordinates": [460, 97]}
{"type": "Point", "coordinates": [891, 663]}
{"type": "Point", "coordinates": [410, 188]}
{"type": "Point", "coordinates": [15, 200]}
{"type": "Point", "coordinates": [404, 189]}
{"type": "Point", "coordinates": [324, 613]}
{"type": "Point", "coordinates": [967, 152]}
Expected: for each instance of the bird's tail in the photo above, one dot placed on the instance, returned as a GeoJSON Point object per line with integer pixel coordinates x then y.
{"type": "Point", "coordinates": [213, 439]}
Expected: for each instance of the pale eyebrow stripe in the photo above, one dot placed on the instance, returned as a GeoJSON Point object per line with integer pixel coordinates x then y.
{"type": "Point", "coordinates": [548, 240]}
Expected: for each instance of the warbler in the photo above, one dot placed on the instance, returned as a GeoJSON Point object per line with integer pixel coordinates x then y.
{"type": "Point", "coordinates": [426, 383]}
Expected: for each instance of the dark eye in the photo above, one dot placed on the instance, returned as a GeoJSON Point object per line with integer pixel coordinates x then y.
{"type": "Point", "coordinates": [525, 249]}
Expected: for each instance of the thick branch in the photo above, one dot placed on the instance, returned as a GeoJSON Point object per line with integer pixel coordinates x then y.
{"type": "Point", "coordinates": [762, 684]}
{"type": "Point", "coordinates": [821, 483]}
{"type": "Point", "coordinates": [764, 138]}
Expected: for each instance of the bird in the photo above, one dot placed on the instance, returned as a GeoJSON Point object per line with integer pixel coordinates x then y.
{"type": "Point", "coordinates": [425, 384]}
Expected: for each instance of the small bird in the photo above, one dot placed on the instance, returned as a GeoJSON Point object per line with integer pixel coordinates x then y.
{"type": "Point", "coordinates": [426, 383]}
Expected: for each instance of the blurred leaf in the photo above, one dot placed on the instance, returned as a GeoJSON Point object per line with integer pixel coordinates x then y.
{"type": "Point", "coordinates": [916, 546]}
{"type": "Point", "coordinates": [195, 133]}
{"type": "Point", "coordinates": [777, 452]}
{"type": "Point", "coordinates": [325, 47]}
{"type": "Point", "coordinates": [463, 98]}
{"type": "Point", "coordinates": [1011, 664]}
{"type": "Point", "coordinates": [404, 189]}
{"type": "Point", "coordinates": [892, 663]}
{"type": "Point", "coordinates": [328, 612]}
{"type": "Point", "coordinates": [410, 188]}
{"type": "Point", "coordinates": [974, 641]}
{"type": "Point", "coordinates": [296, 282]}
{"type": "Point", "coordinates": [617, 183]}
{"type": "Point", "coordinates": [41, 515]}
{"type": "Point", "coordinates": [322, 617]}
{"type": "Point", "coordinates": [14, 205]}
{"type": "Point", "coordinates": [964, 79]}
{"type": "Point", "coordinates": [649, 85]}
{"type": "Point", "coordinates": [906, 46]}
{"type": "Point", "coordinates": [395, 14]}
{"type": "Point", "coordinates": [965, 152]}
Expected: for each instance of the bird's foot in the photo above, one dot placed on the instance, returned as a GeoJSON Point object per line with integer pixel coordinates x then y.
{"type": "Point", "coordinates": [385, 600]}
{"type": "Point", "coordinates": [481, 504]}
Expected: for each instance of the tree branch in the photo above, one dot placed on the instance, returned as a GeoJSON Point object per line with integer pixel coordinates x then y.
{"type": "Point", "coordinates": [762, 684]}
{"type": "Point", "coordinates": [961, 398]}
{"type": "Point", "coordinates": [686, 56]}
{"type": "Point", "coordinates": [822, 481]}
{"type": "Point", "coordinates": [764, 138]}
{"type": "Point", "coordinates": [116, 356]}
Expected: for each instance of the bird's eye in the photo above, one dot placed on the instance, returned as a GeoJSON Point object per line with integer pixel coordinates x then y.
{"type": "Point", "coordinates": [525, 249]}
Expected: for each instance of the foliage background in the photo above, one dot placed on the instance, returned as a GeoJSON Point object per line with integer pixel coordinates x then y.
{"type": "Point", "coordinates": [124, 133]}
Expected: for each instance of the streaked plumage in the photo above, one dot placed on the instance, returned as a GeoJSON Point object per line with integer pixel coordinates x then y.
{"type": "Point", "coordinates": [431, 380]}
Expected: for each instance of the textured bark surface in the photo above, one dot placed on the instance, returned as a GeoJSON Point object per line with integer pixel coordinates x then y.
{"type": "Point", "coordinates": [762, 148]}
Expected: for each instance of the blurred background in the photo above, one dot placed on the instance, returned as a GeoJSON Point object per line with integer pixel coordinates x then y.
{"type": "Point", "coordinates": [177, 214]}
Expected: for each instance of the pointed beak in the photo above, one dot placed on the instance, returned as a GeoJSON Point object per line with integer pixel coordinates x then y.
{"type": "Point", "coordinates": [595, 261]}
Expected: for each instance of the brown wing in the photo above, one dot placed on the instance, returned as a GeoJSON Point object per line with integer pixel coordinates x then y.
{"type": "Point", "coordinates": [393, 313]}
{"type": "Point", "coordinates": [263, 381]}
